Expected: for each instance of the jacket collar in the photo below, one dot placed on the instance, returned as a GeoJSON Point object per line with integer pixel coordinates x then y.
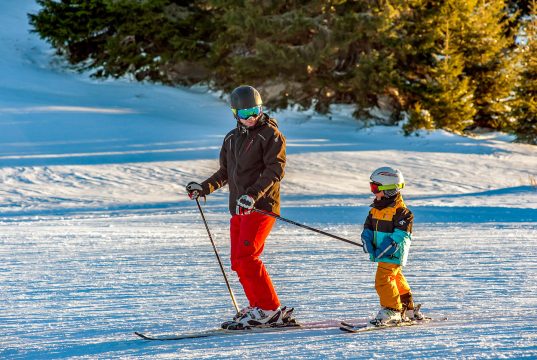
{"type": "Point", "coordinates": [264, 119]}
{"type": "Point", "coordinates": [387, 202]}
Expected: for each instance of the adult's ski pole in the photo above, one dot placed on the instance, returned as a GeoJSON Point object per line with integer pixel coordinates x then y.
{"type": "Point", "coordinates": [307, 227]}
{"type": "Point", "coordinates": [218, 258]}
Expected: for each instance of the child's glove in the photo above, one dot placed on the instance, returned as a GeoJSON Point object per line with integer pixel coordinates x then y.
{"type": "Point", "coordinates": [367, 241]}
{"type": "Point", "coordinates": [387, 248]}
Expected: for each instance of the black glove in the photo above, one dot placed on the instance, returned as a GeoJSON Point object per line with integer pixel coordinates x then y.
{"type": "Point", "coordinates": [194, 190]}
{"type": "Point", "coordinates": [245, 204]}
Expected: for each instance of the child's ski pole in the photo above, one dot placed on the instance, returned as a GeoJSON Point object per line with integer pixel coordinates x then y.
{"type": "Point", "coordinates": [307, 227]}
{"type": "Point", "coordinates": [218, 258]}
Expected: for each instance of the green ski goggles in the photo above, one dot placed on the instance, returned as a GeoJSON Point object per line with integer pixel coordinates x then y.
{"type": "Point", "coordinates": [246, 113]}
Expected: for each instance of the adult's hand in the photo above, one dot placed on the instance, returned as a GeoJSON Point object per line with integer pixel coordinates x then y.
{"type": "Point", "coordinates": [194, 190]}
{"type": "Point", "coordinates": [245, 204]}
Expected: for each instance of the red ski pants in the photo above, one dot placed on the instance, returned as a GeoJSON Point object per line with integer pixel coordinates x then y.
{"type": "Point", "coordinates": [248, 234]}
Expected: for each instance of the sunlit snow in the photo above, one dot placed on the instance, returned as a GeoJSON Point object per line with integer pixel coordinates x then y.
{"type": "Point", "coordinates": [98, 239]}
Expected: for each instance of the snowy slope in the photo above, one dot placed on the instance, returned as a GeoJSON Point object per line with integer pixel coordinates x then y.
{"type": "Point", "coordinates": [97, 238]}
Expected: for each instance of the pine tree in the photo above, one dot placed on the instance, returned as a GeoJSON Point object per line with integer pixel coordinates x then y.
{"type": "Point", "coordinates": [160, 40]}
{"type": "Point", "coordinates": [309, 52]}
{"type": "Point", "coordinates": [418, 118]}
{"type": "Point", "coordinates": [76, 28]}
{"type": "Point", "coordinates": [525, 108]}
{"type": "Point", "coordinates": [414, 41]}
{"type": "Point", "coordinates": [435, 85]}
{"type": "Point", "coordinates": [271, 45]}
{"type": "Point", "coordinates": [489, 63]}
{"type": "Point", "coordinates": [479, 62]}
{"type": "Point", "coordinates": [450, 96]}
{"type": "Point", "coordinates": [361, 63]}
{"type": "Point", "coordinates": [155, 39]}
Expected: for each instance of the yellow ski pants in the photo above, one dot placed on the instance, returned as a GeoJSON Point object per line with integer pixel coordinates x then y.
{"type": "Point", "coordinates": [390, 284]}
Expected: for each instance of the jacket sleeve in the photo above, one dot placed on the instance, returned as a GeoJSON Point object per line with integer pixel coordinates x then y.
{"type": "Point", "coordinates": [219, 178]}
{"type": "Point", "coordinates": [402, 233]}
{"type": "Point", "coordinates": [404, 220]}
{"type": "Point", "coordinates": [274, 161]}
{"type": "Point", "coordinates": [368, 227]}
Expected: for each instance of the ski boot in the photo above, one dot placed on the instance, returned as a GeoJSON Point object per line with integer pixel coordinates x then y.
{"type": "Point", "coordinates": [387, 316]}
{"type": "Point", "coordinates": [288, 318]}
{"type": "Point", "coordinates": [415, 314]}
{"type": "Point", "coordinates": [255, 317]}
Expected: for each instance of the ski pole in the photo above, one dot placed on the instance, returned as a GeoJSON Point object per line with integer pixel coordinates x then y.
{"type": "Point", "coordinates": [307, 227]}
{"type": "Point", "coordinates": [218, 258]}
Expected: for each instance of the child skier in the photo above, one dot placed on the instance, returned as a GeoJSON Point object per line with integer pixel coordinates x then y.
{"type": "Point", "coordinates": [386, 238]}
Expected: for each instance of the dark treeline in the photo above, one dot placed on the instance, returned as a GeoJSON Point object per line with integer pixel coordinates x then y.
{"type": "Point", "coordinates": [451, 64]}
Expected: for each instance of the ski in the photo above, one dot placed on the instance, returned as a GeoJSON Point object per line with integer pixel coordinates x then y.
{"type": "Point", "coordinates": [364, 327]}
{"type": "Point", "coordinates": [319, 325]}
{"type": "Point", "coordinates": [191, 335]}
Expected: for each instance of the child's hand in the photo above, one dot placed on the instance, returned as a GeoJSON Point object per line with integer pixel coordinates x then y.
{"type": "Point", "coordinates": [387, 248]}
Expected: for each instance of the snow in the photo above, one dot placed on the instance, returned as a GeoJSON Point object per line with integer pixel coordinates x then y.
{"type": "Point", "coordinates": [97, 238]}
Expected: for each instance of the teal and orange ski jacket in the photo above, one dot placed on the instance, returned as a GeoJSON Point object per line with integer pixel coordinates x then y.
{"type": "Point", "coordinates": [389, 217]}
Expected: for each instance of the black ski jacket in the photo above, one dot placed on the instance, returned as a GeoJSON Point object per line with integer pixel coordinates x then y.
{"type": "Point", "coordinates": [252, 161]}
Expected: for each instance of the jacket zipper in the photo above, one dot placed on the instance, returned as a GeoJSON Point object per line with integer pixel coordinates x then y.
{"type": "Point", "coordinates": [237, 153]}
{"type": "Point", "coordinates": [248, 146]}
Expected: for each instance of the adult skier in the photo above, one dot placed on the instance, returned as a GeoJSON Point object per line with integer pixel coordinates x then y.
{"type": "Point", "coordinates": [386, 237]}
{"type": "Point", "coordinates": [252, 162]}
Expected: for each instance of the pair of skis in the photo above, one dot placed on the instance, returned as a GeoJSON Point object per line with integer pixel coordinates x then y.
{"type": "Point", "coordinates": [357, 326]}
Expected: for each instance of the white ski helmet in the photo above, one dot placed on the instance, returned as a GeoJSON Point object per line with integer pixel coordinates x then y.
{"type": "Point", "coordinates": [387, 179]}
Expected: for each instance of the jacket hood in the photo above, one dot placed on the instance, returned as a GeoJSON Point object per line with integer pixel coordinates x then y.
{"type": "Point", "coordinates": [271, 121]}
